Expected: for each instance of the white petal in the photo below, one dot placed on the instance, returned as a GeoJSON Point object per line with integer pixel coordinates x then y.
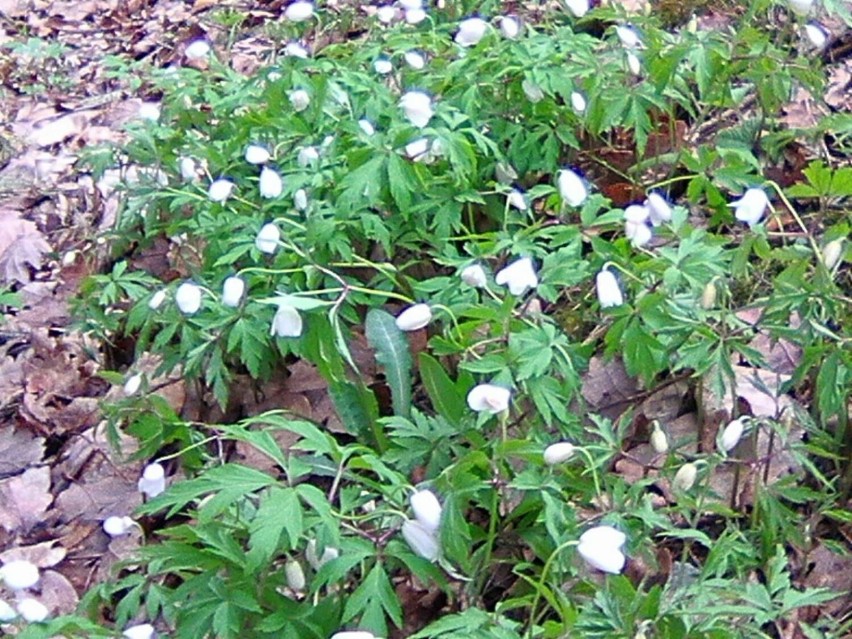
{"type": "Point", "coordinates": [382, 66]}
{"type": "Point", "coordinates": [7, 613]}
{"type": "Point", "coordinates": [415, 16]}
{"type": "Point", "coordinates": [634, 64]}
{"type": "Point", "coordinates": [751, 206]}
{"type": "Point", "coordinates": [157, 299]}
{"type": "Point", "coordinates": [140, 631]}
{"type": "Point", "coordinates": [300, 99]}
{"type": "Point", "coordinates": [153, 480]}
{"type": "Point", "coordinates": [601, 548]}
{"type": "Point", "coordinates": [731, 435]}
{"type": "Point", "coordinates": [386, 14]}
{"type": "Point", "coordinates": [256, 154]}
{"type": "Point", "coordinates": [232, 291]}
{"type": "Point", "coordinates": [32, 610]}
{"type": "Point", "coordinates": [296, 50]}
{"type": "Point", "coordinates": [415, 60]}
{"type": "Point", "coordinates": [414, 317]}
{"type": "Point", "coordinates": [188, 298]}
{"type": "Point", "coordinates": [427, 509]}
{"type": "Point", "coordinates": [287, 322]}
{"type": "Point", "coordinates": [471, 31]}
{"type": "Point", "coordinates": [117, 526]}
{"type": "Point", "coordinates": [532, 91]}
{"type": "Point", "coordinates": [417, 107]}
{"type": "Point", "coordinates": [197, 49]}
{"type": "Point", "coordinates": [417, 149]}
{"type": "Point", "coordinates": [684, 478]}
{"type": "Point", "coordinates": [307, 156]}
{"type": "Point", "coordinates": [367, 127]}
{"type": "Point", "coordinates": [638, 233]}
{"type": "Point", "coordinates": [19, 574]}
{"type": "Point", "coordinates": [220, 190]}
{"type": "Point", "coordinates": [489, 398]}
{"type": "Point", "coordinates": [295, 575]}
{"type": "Point", "coordinates": [353, 634]}
{"type": "Point", "coordinates": [510, 27]}
{"type": "Point", "coordinates": [300, 200]}
{"type": "Point", "coordinates": [131, 386]}
{"type": "Point", "coordinates": [518, 276]}
{"type": "Point", "coordinates": [578, 102]}
{"type": "Point", "coordinates": [558, 453]}
{"type": "Point", "coordinates": [801, 7]}
{"type": "Point", "coordinates": [517, 200]}
{"type": "Point", "coordinates": [578, 8]}
{"type": "Point", "coordinates": [628, 36]}
{"type": "Point", "coordinates": [660, 210]}
{"type": "Point", "coordinates": [609, 293]}
{"type": "Point", "coordinates": [422, 541]}
{"type": "Point", "coordinates": [572, 188]}
{"type": "Point", "coordinates": [267, 239]}
{"type": "Point", "coordinates": [474, 275]}
{"type": "Point", "coordinates": [816, 34]}
{"type": "Point", "coordinates": [299, 11]}
{"type": "Point", "coordinates": [271, 185]}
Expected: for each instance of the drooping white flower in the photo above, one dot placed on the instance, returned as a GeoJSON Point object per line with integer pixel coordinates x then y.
{"type": "Point", "coordinates": [751, 206]}
{"type": "Point", "coordinates": [353, 634]}
{"type": "Point", "coordinates": [256, 154]}
{"type": "Point", "coordinates": [188, 169]}
{"type": "Point", "coordinates": [731, 435]}
{"type": "Point", "coordinates": [558, 453]}
{"type": "Point", "coordinates": [417, 149]}
{"type": "Point", "coordinates": [427, 509]}
{"type": "Point", "coordinates": [296, 50]}
{"type": "Point", "coordinates": [220, 190]}
{"type": "Point", "coordinates": [271, 185]}
{"type": "Point", "coordinates": [267, 239]}
{"type": "Point", "coordinates": [601, 548]}
{"type": "Point", "coordinates": [638, 233]}
{"type": "Point", "coordinates": [532, 91]}
{"type": "Point", "coordinates": [197, 50]}
{"type": "Point", "coordinates": [509, 27]}
{"type": "Point", "coordinates": [157, 299]}
{"type": "Point", "coordinates": [474, 275]}
{"type": "Point", "coordinates": [386, 14]}
{"type": "Point", "coordinates": [578, 102]}
{"type": "Point", "coordinates": [816, 34]}
{"type": "Point", "coordinates": [139, 631]}
{"type": "Point", "coordinates": [300, 99]}
{"type": "Point", "coordinates": [153, 480]}
{"type": "Point", "coordinates": [634, 65]}
{"type": "Point", "coordinates": [415, 16]}
{"type": "Point", "coordinates": [414, 317]}
{"type": "Point", "coordinates": [471, 31]}
{"type": "Point", "coordinates": [417, 107]}
{"type": "Point", "coordinates": [578, 8]}
{"type": "Point", "coordinates": [636, 213]}
{"type": "Point", "coordinates": [32, 610]}
{"type": "Point", "coordinates": [832, 252]}
{"type": "Point", "coordinates": [800, 7]}
{"type": "Point", "coordinates": [7, 613]}
{"type": "Point", "coordinates": [572, 188]}
{"type": "Point", "coordinates": [382, 66]}
{"type": "Point", "coordinates": [659, 441]}
{"type": "Point", "coordinates": [609, 293]}
{"type": "Point", "coordinates": [300, 200]}
{"type": "Point", "coordinates": [518, 276]}
{"type": "Point", "coordinates": [684, 478]}
{"type": "Point", "coordinates": [116, 526]}
{"type": "Point", "coordinates": [299, 11]}
{"type": "Point", "coordinates": [489, 398]}
{"type": "Point", "coordinates": [316, 562]}
{"type": "Point", "coordinates": [286, 323]}
{"type": "Point", "coordinates": [421, 540]}
{"type": "Point", "coordinates": [367, 127]}
{"type": "Point", "coordinates": [517, 199]}
{"type": "Point", "coordinates": [131, 386]}
{"type": "Point", "coordinates": [19, 574]}
{"type": "Point", "coordinates": [295, 575]}
{"type": "Point", "coordinates": [658, 208]}
{"type": "Point", "coordinates": [628, 36]}
{"type": "Point", "coordinates": [188, 298]}
{"type": "Point", "coordinates": [232, 291]}
{"type": "Point", "coordinates": [415, 60]}
{"type": "Point", "coordinates": [307, 156]}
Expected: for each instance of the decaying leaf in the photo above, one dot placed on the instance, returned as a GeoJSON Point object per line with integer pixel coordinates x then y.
{"type": "Point", "coordinates": [24, 499]}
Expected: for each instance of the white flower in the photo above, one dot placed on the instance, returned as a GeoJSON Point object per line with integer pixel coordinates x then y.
{"type": "Point", "coordinates": [296, 50]}
{"type": "Point", "coordinates": [317, 562]}
{"type": "Point", "coordinates": [731, 436]}
{"type": "Point", "coordinates": [558, 453]}
{"type": "Point", "coordinates": [19, 574]}
{"type": "Point", "coordinates": [609, 293]}
{"type": "Point", "coordinates": [386, 14]}
{"type": "Point", "coordinates": [417, 107]}
{"type": "Point", "coordinates": [417, 149]}
{"type": "Point", "coordinates": [578, 8]}
{"type": "Point", "coordinates": [708, 296]}
{"type": "Point", "coordinates": [518, 276]}
{"type": "Point", "coordinates": [197, 49]}
{"type": "Point", "coordinates": [188, 298]}
{"type": "Point", "coordinates": [751, 206]}
{"type": "Point", "coordinates": [629, 37]}
{"type": "Point", "coordinates": [220, 190]}
{"type": "Point", "coordinates": [489, 398]}
{"type": "Point", "coordinates": [382, 66]}
{"type": "Point", "coordinates": [415, 16]}
{"type": "Point", "coordinates": [307, 156]}
{"type": "Point", "coordinates": [421, 540]}
{"type": "Point", "coordinates": [132, 384]}
{"type": "Point", "coordinates": [427, 509]}
{"type": "Point", "coordinates": [578, 102]}
{"type": "Point", "coordinates": [295, 575]}
{"type": "Point", "coordinates": [684, 478]}
{"type": "Point", "coordinates": [801, 7]}
{"type": "Point", "coordinates": [232, 291]}
{"type": "Point", "coordinates": [638, 233]}
{"type": "Point", "coordinates": [115, 526]}
{"type": "Point", "coordinates": [633, 64]}
{"type": "Point", "coordinates": [7, 613]}
{"type": "Point", "coordinates": [572, 188]}
{"type": "Point", "coordinates": [659, 441]}
{"type": "Point", "coordinates": [153, 480]}
{"type": "Point", "coordinates": [300, 99]}
{"type": "Point", "coordinates": [636, 213]}
{"type": "Point", "coordinates": [267, 239]}
{"type": "Point", "coordinates": [817, 34]}
{"type": "Point", "coordinates": [411, 4]}
{"type": "Point", "coordinates": [415, 60]}
{"type": "Point", "coordinates": [353, 634]}
{"type": "Point", "coordinates": [832, 252]}
{"type": "Point", "coordinates": [474, 275]}
{"type": "Point", "coordinates": [157, 299]}
{"type": "Point", "coordinates": [299, 11]}
{"type": "Point", "coordinates": [271, 185]}
{"type": "Point", "coordinates": [509, 27]}
{"type": "Point", "coordinates": [659, 210]}
{"type": "Point", "coordinates": [140, 631]}
{"type": "Point", "coordinates": [367, 127]}
{"type": "Point", "coordinates": [149, 111]}
{"type": "Point", "coordinates": [32, 610]}
{"type": "Point", "coordinates": [188, 169]}
{"type": "Point", "coordinates": [300, 200]}
{"type": "Point", "coordinates": [471, 31]}
{"type": "Point", "coordinates": [286, 323]}
{"type": "Point", "coordinates": [517, 199]}
{"type": "Point", "coordinates": [601, 548]}
{"type": "Point", "coordinates": [414, 317]}
{"type": "Point", "coordinates": [256, 154]}
{"type": "Point", "coordinates": [532, 91]}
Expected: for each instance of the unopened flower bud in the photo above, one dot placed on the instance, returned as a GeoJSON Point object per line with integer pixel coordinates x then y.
{"type": "Point", "coordinates": [708, 296]}
{"type": "Point", "coordinates": [832, 252]}
{"type": "Point", "coordinates": [684, 478]}
{"type": "Point", "coordinates": [295, 575]}
{"type": "Point", "coordinates": [558, 453]}
{"type": "Point", "coordinates": [659, 441]}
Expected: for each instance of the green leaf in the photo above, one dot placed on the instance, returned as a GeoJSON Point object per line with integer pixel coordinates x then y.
{"type": "Point", "coordinates": [392, 353]}
{"type": "Point", "coordinates": [279, 512]}
{"type": "Point", "coordinates": [446, 398]}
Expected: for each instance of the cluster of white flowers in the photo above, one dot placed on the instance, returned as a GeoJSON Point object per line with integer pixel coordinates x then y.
{"type": "Point", "coordinates": [20, 575]}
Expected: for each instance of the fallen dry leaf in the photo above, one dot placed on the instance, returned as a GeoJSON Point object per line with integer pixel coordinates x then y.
{"type": "Point", "coordinates": [44, 555]}
{"type": "Point", "coordinates": [24, 500]}
{"type": "Point", "coordinates": [19, 449]}
{"type": "Point", "coordinates": [21, 246]}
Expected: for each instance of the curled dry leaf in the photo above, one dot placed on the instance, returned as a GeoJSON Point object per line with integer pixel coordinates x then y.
{"type": "Point", "coordinates": [24, 499]}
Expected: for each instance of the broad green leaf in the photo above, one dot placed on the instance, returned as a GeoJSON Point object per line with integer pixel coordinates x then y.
{"type": "Point", "coordinates": [446, 398]}
{"type": "Point", "coordinates": [392, 353]}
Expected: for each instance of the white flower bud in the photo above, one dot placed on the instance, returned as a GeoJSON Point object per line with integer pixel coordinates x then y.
{"type": "Point", "coordinates": [19, 574]}
{"type": "Point", "coordinates": [417, 107]}
{"type": "Point", "coordinates": [295, 575]}
{"type": "Point", "coordinates": [271, 185]}
{"type": "Point", "coordinates": [518, 276]}
{"type": "Point", "coordinates": [367, 127]}
{"type": "Point", "coordinates": [153, 480]}
{"type": "Point", "coordinates": [474, 275]}
{"type": "Point", "coordinates": [532, 91]}
{"type": "Point", "coordinates": [414, 317]}
{"type": "Point", "coordinates": [471, 31]}
{"type": "Point", "coordinates": [131, 386]}
{"type": "Point", "coordinates": [638, 233]}
{"type": "Point", "coordinates": [188, 169]}
{"type": "Point", "coordinates": [572, 188]}
{"type": "Point", "coordinates": [659, 441]}
{"type": "Point", "coordinates": [708, 296]}
{"type": "Point", "coordinates": [609, 293]}
{"type": "Point", "coordinates": [660, 211]}
{"type": "Point", "coordinates": [386, 14]}
{"type": "Point", "coordinates": [299, 11]}
{"type": "Point", "coordinates": [415, 16]}
{"type": "Point", "coordinates": [422, 541]}
{"type": "Point", "coordinates": [684, 478]}
{"type": "Point", "coordinates": [300, 200]}
{"type": "Point", "coordinates": [307, 156]}
{"type": "Point", "coordinates": [232, 291]}
{"type": "Point", "coordinates": [382, 66]}
{"type": "Point", "coordinates": [316, 562]}
{"type": "Point", "coordinates": [256, 154]}
{"type": "Point", "coordinates": [115, 526]}
{"type": "Point", "coordinates": [220, 190]}
{"type": "Point", "coordinates": [300, 100]}
{"type": "Point", "coordinates": [517, 199]}
{"type": "Point", "coordinates": [267, 239]}
{"type": "Point", "coordinates": [32, 611]}
{"type": "Point", "coordinates": [601, 548]}
{"type": "Point", "coordinates": [578, 8]}
{"type": "Point", "coordinates": [286, 323]}
{"type": "Point", "coordinates": [140, 631]}
{"type": "Point", "coordinates": [510, 27]}
{"type": "Point", "coordinates": [296, 50]}
{"type": "Point", "coordinates": [751, 206]}
{"type": "Point", "coordinates": [188, 298]}
{"type": "Point", "coordinates": [407, 5]}
{"type": "Point", "coordinates": [634, 65]}
{"type": "Point", "coordinates": [832, 252]}
{"type": "Point", "coordinates": [489, 398]}
{"type": "Point", "coordinates": [417, 150]}
{"type": "Point", "coordinates": [578, 102]}
{"type": "Point", "coordinates": [558, 453]}
{"type": "Point", "coordinates": [157, 299]}
{"type": "Point", "coordinates": [427, 509]}
{"type": "Point", "coordinates": [628, 36]}
{"type": "Point", "coordinates": [197, 50]}
{"type": "Point", "coordinates": [816, 34]}
{"type": "Point", "coordinates": [801, 7]}
{"type": "Point", "coordinates": [731, 436]}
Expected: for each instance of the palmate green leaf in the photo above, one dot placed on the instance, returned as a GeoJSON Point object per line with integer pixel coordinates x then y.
{"type": "Point", "coordinates": [279, 512]}
{"type": "Point", "coordinates": [643, 353]}
{"type": "Point", "coordinates": [402, 181]}
{"type": "Point", "coordinates": [392, 353]}
{"type": "Point", "coordinates": [374, 598]}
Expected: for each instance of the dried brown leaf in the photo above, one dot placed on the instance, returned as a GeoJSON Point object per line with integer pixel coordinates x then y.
{"type": "Point", "coordinates": [24, 499]}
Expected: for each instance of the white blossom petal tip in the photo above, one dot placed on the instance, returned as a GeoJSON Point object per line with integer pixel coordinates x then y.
{"type": "Point", "coordinates": [421, 540]}
{"type": "Point", "coordinates": [572, 187]}
{"type": "Point", "coordinates": [751, 206]}
{"type": "Point", "coordinates": [427, 509]}
{"type": "Point", "coordinates": [608, 290]}
{"type": "Point", "coordinates": [518, 276]}
{"type": "Point", "coordinates": [601, 548]}
{"type": "Point", "coordinates": [414, 317]}
{"type": "Point", "coordinates": [489, 398]}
